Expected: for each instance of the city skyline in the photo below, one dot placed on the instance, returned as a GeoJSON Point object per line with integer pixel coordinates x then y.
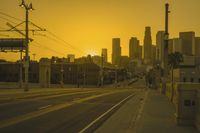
{"type": "Point", "coordinates": [91, 31]}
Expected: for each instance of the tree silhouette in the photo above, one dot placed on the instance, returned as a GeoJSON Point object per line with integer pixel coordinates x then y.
{"type": "Point", "coordinates": [174, 60]}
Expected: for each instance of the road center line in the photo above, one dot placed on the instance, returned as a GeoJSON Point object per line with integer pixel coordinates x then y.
{"type": "Point", "coordinates": [101, 116]}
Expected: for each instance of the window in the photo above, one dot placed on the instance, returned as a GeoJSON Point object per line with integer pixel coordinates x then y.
{"type": "Point", "coordinates": [192, 80]}
{"type": "Point", "coordinates": [199, 80]}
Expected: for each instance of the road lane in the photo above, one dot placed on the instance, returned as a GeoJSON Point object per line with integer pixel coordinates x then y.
{"type": "Point", "coordinates": [70, 118]}
{"type": "Point", "coordinates": [26, 106]}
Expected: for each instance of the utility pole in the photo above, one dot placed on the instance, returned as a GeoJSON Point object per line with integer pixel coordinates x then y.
{"type": "Point", "coordinates": [102, 72]}
{"type": "Point", "coordinates": [166, 48]}
{"type": "Point", "coordinates": [20, 72]}
{"type": "Point", "coordinates": [62, 73]}
{"type": "Point", "coordinates": [27, 7]}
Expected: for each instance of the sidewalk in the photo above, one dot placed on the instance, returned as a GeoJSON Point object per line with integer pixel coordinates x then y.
{"type": "Point", "coordinates": [154, 114]}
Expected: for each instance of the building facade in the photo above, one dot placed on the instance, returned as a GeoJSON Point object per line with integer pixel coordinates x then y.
{"type": "Point", "coordinates": [187, 42]}
{"type": "Point", "coordinates": [116, 51]}
{"type": "Point", "coordinates": [133, 48]}
{"type": "Point", "coordinates": [104, 53]}
{"type": "Point", "coordinates": [147, 45]}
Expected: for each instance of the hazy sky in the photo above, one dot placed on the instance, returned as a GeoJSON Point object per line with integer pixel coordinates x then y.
{"type": "Point", "coordinates": [90, 25]}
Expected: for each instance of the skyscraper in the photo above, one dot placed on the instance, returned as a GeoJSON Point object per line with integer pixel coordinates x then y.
{"type": "Point", "coordinates": [187, 42]}
{"type": "Point", "coordinates": [153, 54]}
{"type": "Point", "coordinates": [160, 46]}
{"type": "Point", "coordinates": [133, 48]}
{"type": "Point", "coordinates": [147, 45]}
{"type": "Point", "coordinates": [116, 51]}
{"type": "Point", "coordinates": [104, 53]}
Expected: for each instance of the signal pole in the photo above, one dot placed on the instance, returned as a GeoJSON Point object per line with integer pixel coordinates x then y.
{"type": "Point", "coordinates": [27, 7]}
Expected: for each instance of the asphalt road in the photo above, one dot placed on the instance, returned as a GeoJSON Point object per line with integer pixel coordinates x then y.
{"type": "Point", "coordinates": [66, 112]}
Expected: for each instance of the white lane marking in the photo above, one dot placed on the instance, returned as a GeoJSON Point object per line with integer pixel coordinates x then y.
{"type": "Point", "coordinates": [44, 107]}
{"type": "Point", "coordinates": [101, 116]}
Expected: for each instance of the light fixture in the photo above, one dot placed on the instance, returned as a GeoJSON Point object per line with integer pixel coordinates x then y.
{"type": "Point", "coordinates": [22, 4]}
{"type": "Point", "coordinates": [31, 6]}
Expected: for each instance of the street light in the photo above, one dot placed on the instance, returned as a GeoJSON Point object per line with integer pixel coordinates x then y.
{"type": "Point", "coordinates": [26, 64]}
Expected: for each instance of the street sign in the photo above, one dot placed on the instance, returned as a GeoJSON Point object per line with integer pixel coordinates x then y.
{"type": "Point", "coordinates": [12, 44]}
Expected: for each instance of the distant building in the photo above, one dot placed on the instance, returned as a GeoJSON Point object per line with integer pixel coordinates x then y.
{"type": "Point", "coordinates": [147, 45]}
{"type": "Point", "coordinates": [97, 59]}
{"type": "Point", "coordinates": [71, 58]}
{"type": "Point", "coordinates": [140, 52]}
{"type": "Point", "coordinates": [105, 54]}
{"type": "Point", "coordinates": [160, 46]}
{"type": "Point", "coordinates": [177, 47]}
{"type": "Point", "coordinates": [123, 62]}
{"type": "Point", "coordinates": [133, 48]}
{"type": "Point", "coordinates": [197, 47]}
{"type": "Point", "coordinates": [116, 51]}
{"type": "Point", "coordinates": [187, 42]}
{"type": "Point", "coordinates": [153, 55]}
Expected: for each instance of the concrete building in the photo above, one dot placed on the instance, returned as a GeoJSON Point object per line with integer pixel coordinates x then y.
{"type": "Point", "coordinates": [197, 47]}
{"type": "Point", "coordinates": [160, 46]}
{"type": "Point", "coordinates": [147, 45]}
{"type": "Point", "coordinates": [116, 51]}
{"type": "Point", "coordinates": [133, 48]}
{"type": "Point", "coordinates": [71, 58]}
{"type": "Point", "coordinates": [187, 42]}
{"type": "Point", "coordinates": [104, 53]}
{"type": "Point", "coordinates": [189, 70]}
{"type": "Point", "coordinates": [177, 47]}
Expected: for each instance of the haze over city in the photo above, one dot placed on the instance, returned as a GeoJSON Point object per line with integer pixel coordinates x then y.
{"type": "Point", "coordinates": [90, 25]}
{"type": "Point", "coordinates": [99, 66]}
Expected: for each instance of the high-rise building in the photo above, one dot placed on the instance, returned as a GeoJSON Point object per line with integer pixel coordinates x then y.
{"type": "Point", "coordinates": [197, 46]}
{"type": "Point", "coordinates": [147, 45]}
{"type": "Point", "coordinates": [187, 42]}
{"type": "Point", "coordinates": [133, 48]}
{"type": "Point", "coordinates": [116, 51]}
{"type": "Point", "coordinates": [140, 52]}
{"type": "Point", "coordinates": [160, 46]}
{"type": "Point", "coordinates": [153, 53]}
{"type": "Point", "coordinates": [71, 58]}
{"type": "Point", "coordinates": [104, 53]}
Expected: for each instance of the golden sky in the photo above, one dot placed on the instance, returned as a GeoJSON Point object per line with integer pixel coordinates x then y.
{"type": "Point", "coordinates": [90, 25]}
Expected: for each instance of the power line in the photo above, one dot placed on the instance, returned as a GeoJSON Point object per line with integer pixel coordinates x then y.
{"type": "Point", "coordinates": [66, 43]}
{"type": "Point", "coordinates": [5, 14]}
{"type": "Point", "coordinates": [6, 19]}
{"type": "Point", "coordinates": [46, 48]}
